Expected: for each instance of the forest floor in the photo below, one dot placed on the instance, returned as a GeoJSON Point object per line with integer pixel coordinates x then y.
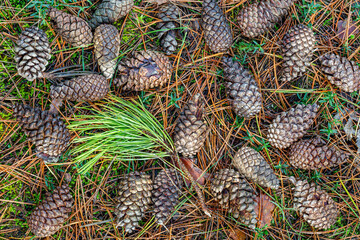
{"type": "Point", "coordinates": [24, 178]}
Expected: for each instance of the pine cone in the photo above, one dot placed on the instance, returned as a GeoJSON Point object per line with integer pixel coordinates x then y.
{"type": "Point", "coordinates": [314, 204]}
{"type": "Point", "coordinates": [315, 154]}
{"type": "Point", "coordinates": [298, 48]}
{"type": "Point", "coordinates": [290, 126]}
{"type": "Point", "coordinates": [32, 53]}
{"type": "Point", "coordinates": [144, 70]}
{"type": "Point", "coordinates": [73, 29]}
{"type": "Point", "coordinates": [258, 18]}
{"type": "Point", "coordinates": [107, 48]}
{"type": "Point", "coordinates": [170, 15]}
{"type": "Point", "coordinates": [91, 87]}
{"type": "Point", "coordinates": [242, 89]}
{"type": "Point", "coordinates": [252, 165]}
{"type": "Point", "coordinates": [45, 130]}
{"type": "Point", "coordinates": [109, 11]}
{"type": "Point", "coordinates": [191, 129]}
{"type": "Point", "coordinates": [217, 31]}
{"type": "Point", "coordinates": [166, 194]}
{"type": "Point", "coordinates": [134, 199]}
{"type": "Point", "coordinates": [340, 71]}
{"type": "Point", "coordinates": [50, 215]}
{"type": "Point", "coordinates": [235, 194]}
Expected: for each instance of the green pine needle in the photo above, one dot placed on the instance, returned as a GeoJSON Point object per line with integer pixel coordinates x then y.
{"type": "Point", "coordinates": [122, 130]}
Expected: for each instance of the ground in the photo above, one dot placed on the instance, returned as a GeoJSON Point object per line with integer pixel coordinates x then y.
{"type": "Point", "coordinates": [24, 178]}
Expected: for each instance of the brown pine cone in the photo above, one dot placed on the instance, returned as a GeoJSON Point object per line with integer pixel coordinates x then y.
{"type": "Point", "coordinates": [242, 89]}
{"type": "Point", "coordinates": [109, 11]}
{"type": "Point", "coordinates": [107, 48]}
{"type": "Point", "coordinates": [191, 129]}
{"type": "Point", "coordinates": [290, 126]}
{"type": "Point", "coordinates": [340, 71]}
{"type": "Point", "coordinates": [166, 194]}
{"type": "Point", "coordinates": [32, 53]}
{"type": "Point", "coordinates": [252, 165]}
{"type": "Point", "coordinates": [315, 154]}
{"type": "Point", "coordinates": [170, 16]}
{"type": "Point", "coordinates": [51, 214]}
{"type": "Point", "coordinates": [216, 28]}
{"type": "Point", "coordinates": [91, 87]}
{"type": "Point", "coordinates": [144, 70]}
{"type": "Point", "coordinates": [74, 30]}
{"type": "Point", "coordinates": [258, 18]}
{"type": "Point", "coordinates": [234, 194]}
{"type": "Point", "coordinates": [298, 47]}
{"type": "Point", "coordinates": [134, 199]}
{"type": "Point", "coordinates": [48, 133]}
{"type": "Point", "coordinates": [314, 204]}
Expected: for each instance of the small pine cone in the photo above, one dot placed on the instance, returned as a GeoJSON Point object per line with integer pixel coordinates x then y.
{"type": "Point", "coordinates": [216, 28]}
{"type": "Point", "coordinates": [166, 194]}
{"type": "Point", "coordinates": [298, 48]}
{"type": "Point", "coordinates": [258, 18]}
{"type": "Point", "coordinates": [74, 30]}
{"type": "Point", "coordinates": [134, 199]}
{"type": "Point", "coordinates": [314, 204]}
{"type": "Point", "coordinates": [191, 129]}
{"type": "Point", "coordinates": [242, 89]}
{"type": "Point", "coordinates": [51, 214]}
{"type": "Point", "coordinates": [32, 53]}
{"type": "Point", "coordinates": [144, 70]}
{"type": "Point", "coordinates": [107, 48]}
{"type": "Point", "coordinates": [252, 165]}
{"type": "Point", "coordinates": [45, 130]}
{"type": "Point", "coordinates": [91, 87]}
{"type": "Point", "coordinates": [290, 126]}
{"type": "Point", "coordinates": [315, 154]}
{"type": "Point", "coordinates": [109, 11]}
{"type": "Point", "coordinates": [340, 71]}
{"type": "Point", "coordinates": [235, 194]}
{"type": "Point", "coordinates": [170, 15]}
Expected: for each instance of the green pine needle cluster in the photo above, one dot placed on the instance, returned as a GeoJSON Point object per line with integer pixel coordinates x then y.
{"type": "Point", "coordinates": [120, 130]}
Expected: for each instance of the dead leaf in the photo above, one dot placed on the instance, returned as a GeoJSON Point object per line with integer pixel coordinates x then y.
{"type": "Point", "coordinates": [264, 210]}
{"type": "Point", "coordinates": [195, 172]}
{"type": "Point", "coordinates": [157, 1]}
{"type": "Point", "coordinates": [237, 234]}
{"type": "Point", "coordinates": [345, 29]}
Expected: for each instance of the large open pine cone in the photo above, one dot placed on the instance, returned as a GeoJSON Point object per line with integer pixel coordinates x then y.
{"type": "Point", "coordinates": [216, 28]}
{"type": "Point", "coordinates": [191, 129]}
{"type": "Point", "coordinates": [45, 130]}
{"type": "Point", "coordinates": [166, 194]}
{"type": "Point", "coordinates": [340, 71]}
{"type": "Point", "coordinates": [298, 47]}
{"type": "Point", "coordinates": [170, 16]}
{"type": "Point", "coordinates": [51, 214]}
{"type": "Point", "coordinates": [91, 87]}
{"type": "Point", "coordinates": [73, 29]}
{"type": "Point", "coordinates": [107, 48]}
{"type": "Point", "coordinates": [144, 70]}
{"type": "Point", "coordinates": [234, 194]}
{"type": "Point", "coordinates": [32, 53]}
{"type": "Point", "coordinates": [315, 154]}
{"type": "Point", "coordinates": [259, 17]}
{"type": "Point", "coordinates": [134, 199]}
{"type": "Point", "coordinates": [314, 204]}
{"type": "Point", "coordinates": [290, 126]}
{"type": "Point", "coordinates": [252, 165]}
{"type": "Point", "coordinates": [242, 89]}
{"type": "Point", "coordinates": [109, 11]}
